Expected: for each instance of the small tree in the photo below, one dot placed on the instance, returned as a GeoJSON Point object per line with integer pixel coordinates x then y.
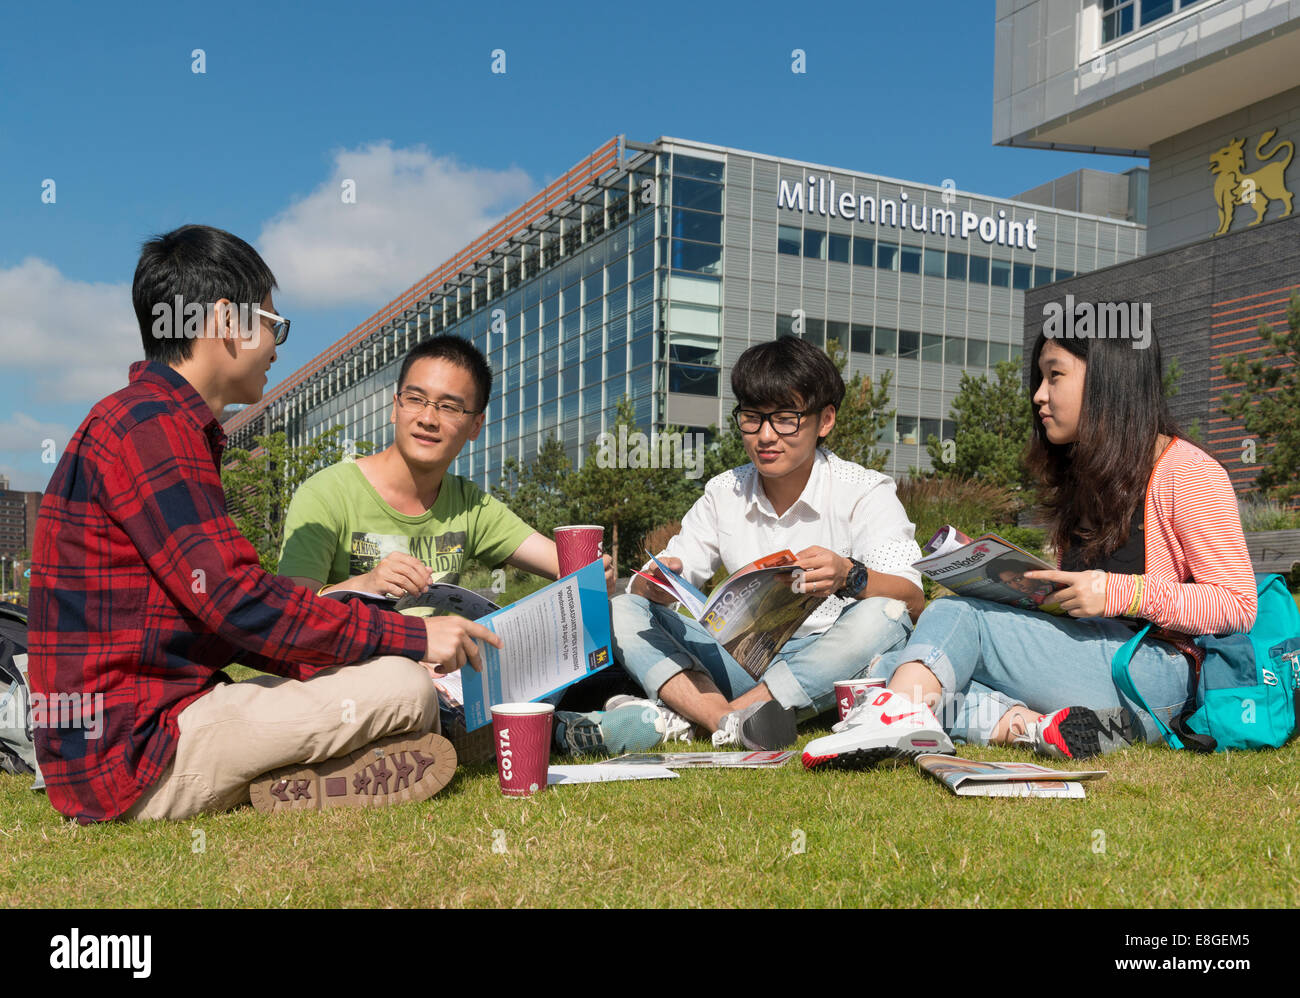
{"type": "Point", "coordinates": [993, 420]}
{"type": "Point", "coordinates": [540, 492]}
{"type": "Point", "coordinates": [862, 417]}
{"type": "Point", "coordinates": [622, 492]}
{"type": "Point", "coordinates": [260, 485]}
{"type": "Point", "coordinates": [1268, 404]}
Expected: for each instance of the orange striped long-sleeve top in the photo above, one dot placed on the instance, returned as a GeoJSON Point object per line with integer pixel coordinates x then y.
{"type": "Point", "coordinates": [1198, 577]}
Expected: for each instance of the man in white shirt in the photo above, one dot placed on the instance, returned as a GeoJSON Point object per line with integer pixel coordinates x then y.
{"type": "Point", "coordinates": [845, 525]}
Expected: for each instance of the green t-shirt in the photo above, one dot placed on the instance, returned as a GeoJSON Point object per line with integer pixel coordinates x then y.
{"type": "Point", "coordinates": [338, 527]}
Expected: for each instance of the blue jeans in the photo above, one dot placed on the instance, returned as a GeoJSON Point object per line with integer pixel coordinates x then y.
{"type": "Point", "coordinates": [990, 658]}
{"type": "Point", "coordinates": [655, 643]}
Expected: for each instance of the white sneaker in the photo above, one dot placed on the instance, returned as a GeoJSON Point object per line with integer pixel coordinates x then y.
{"type": "Point", "coordinates": [881, 726]}
{"type": "Point", "coordinates": [672, 727]}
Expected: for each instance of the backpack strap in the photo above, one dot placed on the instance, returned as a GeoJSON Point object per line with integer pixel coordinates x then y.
{"type": "Point", "coordinates": [1124, 682]}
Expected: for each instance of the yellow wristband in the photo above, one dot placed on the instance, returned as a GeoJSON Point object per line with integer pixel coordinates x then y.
{"type": "Point", "coordinates": [321, 590]}
{"type": "Point", "coordinates": [1136, 605]}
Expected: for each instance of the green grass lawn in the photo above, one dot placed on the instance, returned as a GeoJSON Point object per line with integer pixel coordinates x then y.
{"type": "Point", "coordinates": [1163, 829]}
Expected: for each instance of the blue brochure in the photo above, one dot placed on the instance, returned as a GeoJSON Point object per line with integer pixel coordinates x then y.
{"type": "Point", "coordinates": [552, 639]}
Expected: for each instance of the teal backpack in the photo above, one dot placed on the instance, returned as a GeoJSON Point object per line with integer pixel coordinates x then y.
{"type": "Point", "coordinates": [1248, 692]}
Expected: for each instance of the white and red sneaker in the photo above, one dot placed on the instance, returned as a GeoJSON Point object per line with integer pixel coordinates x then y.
{"type": "Point", "coordinates": [882, 725]}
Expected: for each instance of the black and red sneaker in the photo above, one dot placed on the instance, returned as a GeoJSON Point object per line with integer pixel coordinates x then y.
{"type": "Point", "coordinates": [1080, 732]}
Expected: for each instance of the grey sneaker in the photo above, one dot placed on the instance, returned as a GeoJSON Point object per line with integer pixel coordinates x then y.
{"type": "Point", "coordinates": [760, 727]}
{"type": "Point", "coordinates": [626, 728]}
{"type": "Point", "coordinates": [672, 727]}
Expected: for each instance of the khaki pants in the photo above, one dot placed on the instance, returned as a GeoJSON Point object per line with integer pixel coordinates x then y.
{"type": "Point", "coordinates": [240, 731]}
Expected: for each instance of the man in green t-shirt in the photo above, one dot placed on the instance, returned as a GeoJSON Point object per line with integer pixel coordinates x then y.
{"type": "Point", "coordinates": [392, 523]}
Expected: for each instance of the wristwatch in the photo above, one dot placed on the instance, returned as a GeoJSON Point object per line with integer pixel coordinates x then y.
{"type": "Point", "coordinates": [856, 582]}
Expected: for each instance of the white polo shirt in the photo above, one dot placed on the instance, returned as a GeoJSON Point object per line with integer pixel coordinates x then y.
{"type": "Point", "coordinates": [845, 508]}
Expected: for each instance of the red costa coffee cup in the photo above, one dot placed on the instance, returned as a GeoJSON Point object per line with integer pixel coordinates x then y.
{"type": "Point", "coordinates": [522, 735]}
{"type": "Point", "coordinates": [847, 692]}
{"type": "Point", "coordinates": [578, 546]}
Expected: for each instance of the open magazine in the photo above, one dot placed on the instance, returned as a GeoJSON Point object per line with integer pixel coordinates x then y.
{"type": "Point", "coordinates": [703, 760]}
{"type": "Point", "coordinates": [971, 778]}
{"type": "Point", "coordinates": [988, 568]}
{"type": "Point", "coordinates": [440, 598]}
{"type": "Point", "coordinates": [752, 612]}
{"type": "Point", "coordinates": [553, 638]}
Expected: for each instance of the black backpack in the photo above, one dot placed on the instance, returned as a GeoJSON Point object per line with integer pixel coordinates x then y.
{"type": "Point", "coordinates": [17, 749]}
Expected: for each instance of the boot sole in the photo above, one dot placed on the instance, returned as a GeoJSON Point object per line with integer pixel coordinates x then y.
{"type": "Point", "coordinates": [392, 770]}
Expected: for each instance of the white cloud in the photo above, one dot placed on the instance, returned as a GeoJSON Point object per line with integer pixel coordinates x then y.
{"type": "Point", "coordinates": [26, 435]}
{"type": "Point", "coordinates": [68, 340]}
{"type": "Point", "coordinates": [412, 212]}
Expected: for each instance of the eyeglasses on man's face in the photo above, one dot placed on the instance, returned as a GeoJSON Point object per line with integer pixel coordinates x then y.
{"type": "Point", "coordinates": [414, 404]}
{"type": "Point", "coordinates": [279, 324]}
{"type": "Point", "coordinates": [785, 422]}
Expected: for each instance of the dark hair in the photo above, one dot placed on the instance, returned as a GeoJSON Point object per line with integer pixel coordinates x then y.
{"type": "Point", "coordinates": [786, 372]}
{"type": "Point", "coordinates": [455, 350]}
{"type": "Point", "coordinates": [1093, 486]}
{"type": "Point", "coordinates": [201, 265]}
{"type": "Point", "coordinates": [1000, 564]}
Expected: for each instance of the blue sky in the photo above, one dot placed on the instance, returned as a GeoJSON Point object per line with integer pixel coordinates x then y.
{"type": "Point", "coordinates": [400, 97]}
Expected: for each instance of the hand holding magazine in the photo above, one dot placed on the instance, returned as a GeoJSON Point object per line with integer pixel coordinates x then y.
{"type": "Point", "coordinates": [988, 568]}
{"type": "Point", "coordinates": [752, 613]}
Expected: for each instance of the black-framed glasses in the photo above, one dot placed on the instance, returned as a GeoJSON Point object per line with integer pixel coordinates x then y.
{"type": "Point", "coordinates": [415, 403]}
{"type": "Point", "coordinates": [279, 324]}
{"type": "Point", "coordinates": [785, 422]}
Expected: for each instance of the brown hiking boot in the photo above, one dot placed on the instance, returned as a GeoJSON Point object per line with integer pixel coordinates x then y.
{"type": "Point", "coordinates": [392, 770]}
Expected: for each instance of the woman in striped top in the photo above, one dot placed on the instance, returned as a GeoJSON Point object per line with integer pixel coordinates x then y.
{"type": "Point", "coordinates": [1148, 530]}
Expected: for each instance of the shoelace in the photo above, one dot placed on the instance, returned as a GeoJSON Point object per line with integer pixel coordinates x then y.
{"type": "Point", "coordinates": [729, 733]}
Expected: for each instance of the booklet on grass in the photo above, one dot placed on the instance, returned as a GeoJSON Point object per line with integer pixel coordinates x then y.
{"type": "Point", "coordinates": [753, 612]}
{"type": "Point", "coordinates": [972, 778]}
{"type": "Point", "coordinates": [703, 760]}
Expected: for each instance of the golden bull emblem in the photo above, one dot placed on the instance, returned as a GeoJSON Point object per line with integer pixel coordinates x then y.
{"type": "Point", "coordinates": [1234, 186]}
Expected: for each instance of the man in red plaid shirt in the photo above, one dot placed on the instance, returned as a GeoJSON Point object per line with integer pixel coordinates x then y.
{"type": "Point", "coordinates": [143, 589]}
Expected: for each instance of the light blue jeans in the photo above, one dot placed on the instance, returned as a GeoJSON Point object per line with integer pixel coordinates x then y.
{"type": "Point", "coordinates": [990, 658]}
{"type": "Point", "coordinates": [655, 643]}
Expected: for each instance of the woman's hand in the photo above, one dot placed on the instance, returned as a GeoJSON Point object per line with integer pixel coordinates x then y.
{"type": "Point", "coordinates": [1084, 594]}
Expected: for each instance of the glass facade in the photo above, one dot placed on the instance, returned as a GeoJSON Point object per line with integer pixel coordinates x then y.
{"type": "Point", "coordinates": [653, 281]}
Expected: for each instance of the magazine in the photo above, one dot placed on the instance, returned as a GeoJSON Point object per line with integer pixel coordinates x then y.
{"type": "Point", "coordinates": [703, 760]}
{"type": "Point", "coordinates": [988, 568]}
{"type": "Point", "coordinates": [752, 613]}
{"type": "Point", "coordinates": [971, 778]}
{"type": "Point", "coordinates": [440, 598]}
{"type": "Point", "coordinates": [553, 638]}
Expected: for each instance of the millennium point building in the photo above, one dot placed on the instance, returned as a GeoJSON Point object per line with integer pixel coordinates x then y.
{"type": "Point", "coordinates": [1209, 92]}
{"type": "Point", "coordinates": [647, 269]}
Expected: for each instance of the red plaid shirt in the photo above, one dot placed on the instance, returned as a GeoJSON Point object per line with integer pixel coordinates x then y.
{"type": "Point", "coordinates": [143, 589]}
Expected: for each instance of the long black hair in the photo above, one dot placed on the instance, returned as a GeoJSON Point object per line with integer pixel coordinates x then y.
{"type": "Point", "coordinates": [1092, 487]}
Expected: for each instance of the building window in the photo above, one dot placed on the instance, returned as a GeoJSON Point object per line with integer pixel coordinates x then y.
{"type": "Point", "coordinates": [1121, 17]}
{"type": "Point", "coordinates": [861, 336]}
{"type": "Point", "coordinates": [814, 244]}
{"type": "Point", "coordinates": [1000, 271]}
{"type": "Point", "coordinates": [1021, 276]}
{"type": "Point", "coordinates": [789, 240]}
{"type": "Point", "coordinates": [957, 266]}
{"type": "Point", "coordinates": [909, 344]}
{"type": "Point", "coordinates": [688, 379]}
{"type": "Point", "coordinates": [863, 251]}
{"type": "Point", "coordinates": [887, 256]}
{"type": "Point", "coordinates": [934, 263]}
{"type": "Point", "coordinates": [910, 260]}
{"type": "Point", "coordinates": [838, 250]}
{"type": "Point", "coordinates": [886, 342]}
